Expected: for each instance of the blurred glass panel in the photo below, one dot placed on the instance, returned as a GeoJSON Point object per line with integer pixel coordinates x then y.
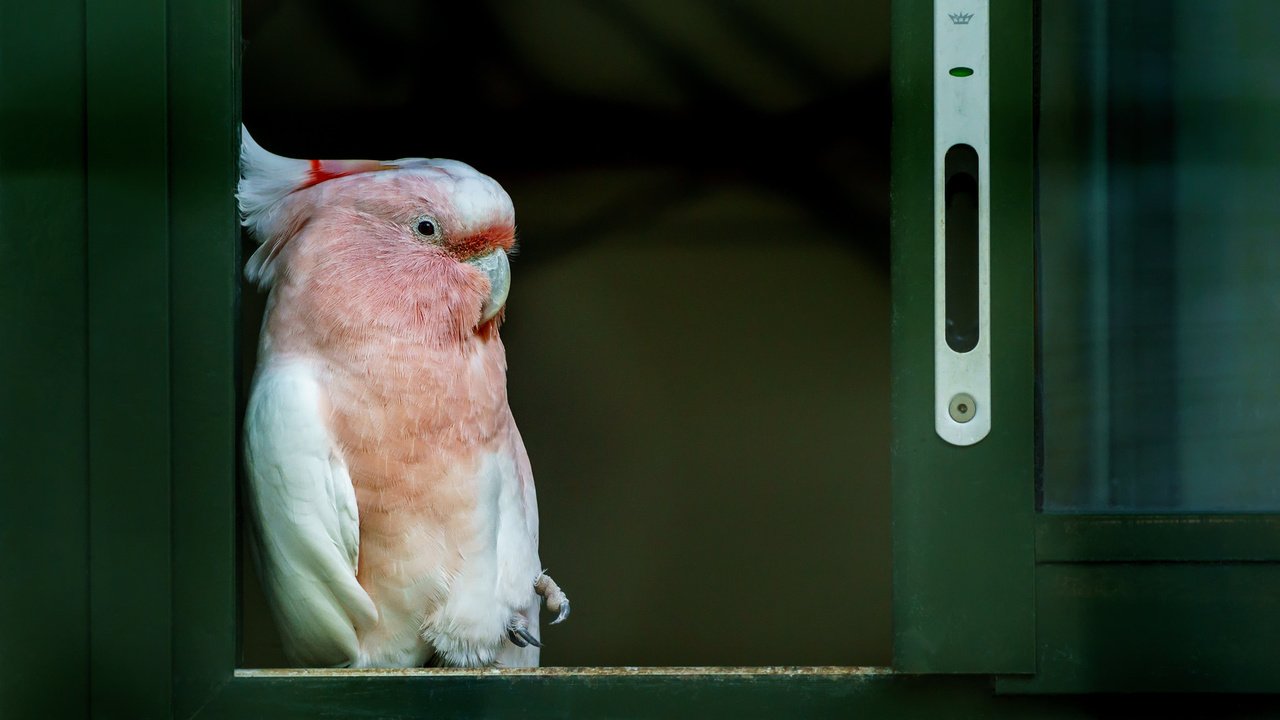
{"type": "Point", "coordinates": [1159, 225]}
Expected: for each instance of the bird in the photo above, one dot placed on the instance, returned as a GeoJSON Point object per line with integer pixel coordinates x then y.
{"type": "Point", "coordinates": [393, 514]}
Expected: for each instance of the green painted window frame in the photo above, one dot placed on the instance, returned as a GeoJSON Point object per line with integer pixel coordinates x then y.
{"type": "Point", "coordinates": [963, 517]}
{"type": "Point", "coordinates": [120, 269]}
{"type": "Point", "coordinates": [983, 583]}
{"type": "Point", "coordinates": [160, 114]}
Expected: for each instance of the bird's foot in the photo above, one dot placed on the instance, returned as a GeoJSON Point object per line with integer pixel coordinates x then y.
{"type": "Point", "coordinates": [518, 632]}
{"type": "Point", "coordinates": [554, 598]}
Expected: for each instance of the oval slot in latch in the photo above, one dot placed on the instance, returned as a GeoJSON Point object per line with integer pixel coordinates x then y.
{"type": "Point", "coordinates": [961, 207]}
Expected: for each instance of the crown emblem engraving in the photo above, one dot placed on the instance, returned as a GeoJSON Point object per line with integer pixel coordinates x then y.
{"type": "Point", "coordinates": [960, 18]}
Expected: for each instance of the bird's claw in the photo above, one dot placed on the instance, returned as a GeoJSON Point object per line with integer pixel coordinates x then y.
{"type": "Point", "coordinates": [564, 612]}
{"type": "Point", "coordinates": [519, 634]}
{"type": "Point", "coordinates": [555, 599]}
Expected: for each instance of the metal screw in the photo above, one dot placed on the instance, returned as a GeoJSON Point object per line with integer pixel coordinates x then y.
{"type": "Point", "coordinates": [963, 407]}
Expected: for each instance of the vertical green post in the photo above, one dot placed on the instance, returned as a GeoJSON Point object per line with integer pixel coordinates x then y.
{"type": "Point", "coordinates": [128, 293]}
{"type": "Point", "coordinates": [204, 42]}
{"type": "Point", "coordinates": [44, 670]}
{"type": "Point", "coordinates": [964, 564]}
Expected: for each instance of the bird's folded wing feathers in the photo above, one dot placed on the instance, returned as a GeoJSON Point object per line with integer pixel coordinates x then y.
{"type": "Point", "coordinates": [305, 518]}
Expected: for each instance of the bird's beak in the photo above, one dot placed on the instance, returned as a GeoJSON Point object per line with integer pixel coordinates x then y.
{"type": "Point", "coordinates": [495, 266]}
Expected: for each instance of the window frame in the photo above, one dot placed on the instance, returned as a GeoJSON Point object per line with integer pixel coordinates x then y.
{"type": "Point", "coordinates": [963, 517]}
{"type": "Point", "coordinates": [137, 518]}
{"type": "Point", "coordinates": [1057, 603]}
{"type": "Point", "coordinates": [163, 523]}
{"type": "Point", "coordinates": [44, 361]}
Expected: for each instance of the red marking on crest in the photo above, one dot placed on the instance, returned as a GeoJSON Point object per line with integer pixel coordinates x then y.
{"type": "Point", "coordinates": [322, 170]}
{"type": "Point", "coordinates": [318, 175]}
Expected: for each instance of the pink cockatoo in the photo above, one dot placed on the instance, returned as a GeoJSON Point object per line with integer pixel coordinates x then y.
{"type": "Point", "coordinates": [394, 520]}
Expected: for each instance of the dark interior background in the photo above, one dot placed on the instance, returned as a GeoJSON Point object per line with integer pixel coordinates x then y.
{"type": "Point", "coordinates": [698, 328]}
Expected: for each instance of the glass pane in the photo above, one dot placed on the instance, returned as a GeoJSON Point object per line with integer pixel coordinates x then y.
{"type": "Point", "coordinates": [1159, 225]}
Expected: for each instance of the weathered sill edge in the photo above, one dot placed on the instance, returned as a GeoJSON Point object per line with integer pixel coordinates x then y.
{"type": "Point", "coordinates": [714, 671]}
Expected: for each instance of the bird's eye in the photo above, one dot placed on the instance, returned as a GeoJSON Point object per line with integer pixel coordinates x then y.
{"type": "Point", "coordinates": [426, 228]}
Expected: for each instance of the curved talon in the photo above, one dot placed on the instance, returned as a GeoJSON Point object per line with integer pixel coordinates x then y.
{"type": "Point", "coordinates": [527, 636]}
{"type": "Point", "coordinates": [553, 597]}
{"type": "Point", "coordinates": [563, 614]}
{"type": "Point", "coordinates": [516, 639]}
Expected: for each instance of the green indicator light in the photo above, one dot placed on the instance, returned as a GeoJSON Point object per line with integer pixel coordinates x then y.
{"type": "Point", "coordinates": [961, 72]}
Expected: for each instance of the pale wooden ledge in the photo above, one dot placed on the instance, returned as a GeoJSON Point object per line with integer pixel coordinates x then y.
{"type": "Point", "coordinates": [721, 671]}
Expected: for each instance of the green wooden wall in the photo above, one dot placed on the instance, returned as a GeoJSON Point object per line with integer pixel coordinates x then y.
{"type": "Point", "coordinates": [44, 434]}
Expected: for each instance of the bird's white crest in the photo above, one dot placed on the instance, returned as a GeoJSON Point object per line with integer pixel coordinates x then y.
{"type": "Point", "coordinates": [265, 180]}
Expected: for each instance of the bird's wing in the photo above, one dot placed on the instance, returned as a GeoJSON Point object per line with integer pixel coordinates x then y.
{"type": "Point", "coordinates": [305, 518]}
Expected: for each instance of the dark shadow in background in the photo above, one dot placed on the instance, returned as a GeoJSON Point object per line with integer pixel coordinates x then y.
{"type": "Point", "coordinates": [698, 327]}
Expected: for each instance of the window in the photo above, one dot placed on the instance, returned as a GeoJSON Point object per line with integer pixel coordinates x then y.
{"type": "Point", "coordinates": [699, 298]}
{"type": "Point", "coordinates": [1114, 531]}
{"type": "Point", "coordinates": [1111, 532]}
{"type": "Point", "coordinates": [1158, 262]}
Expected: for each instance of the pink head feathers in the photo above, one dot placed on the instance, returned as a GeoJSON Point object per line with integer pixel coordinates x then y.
{"type": "Point", "coordinates": [411, 242]}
